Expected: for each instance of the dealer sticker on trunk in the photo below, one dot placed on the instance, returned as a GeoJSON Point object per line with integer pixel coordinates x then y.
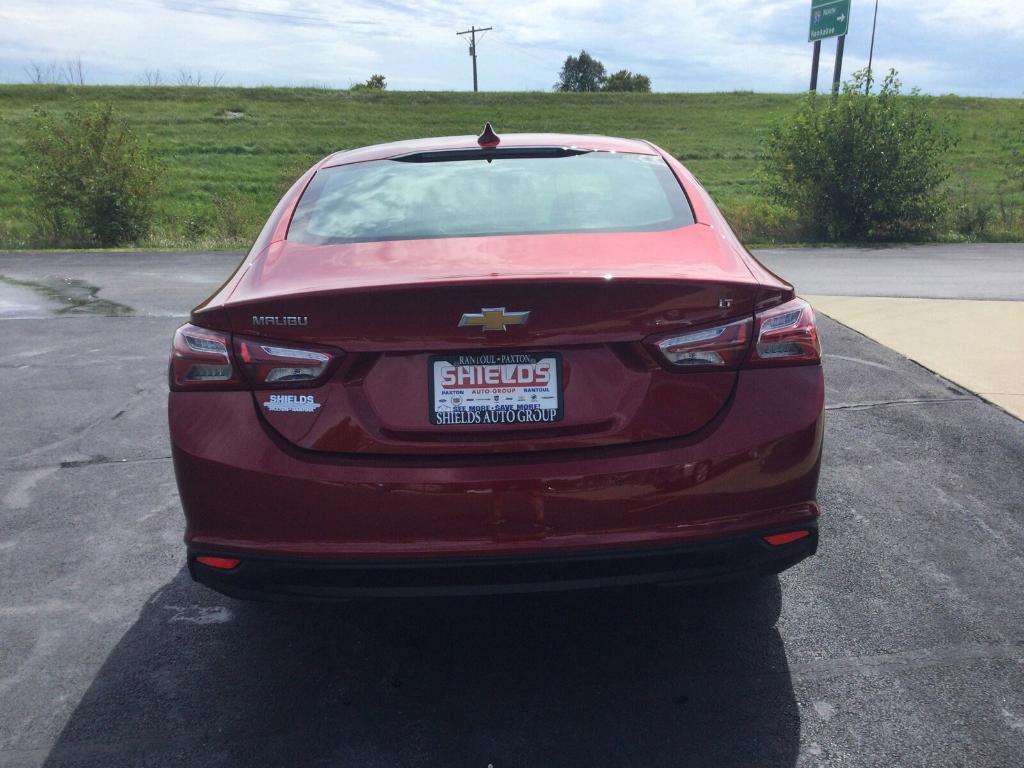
{"type": "Point", "coordinates": [496, 388]}
{"type": "Point", "coordinates": [299, 403]}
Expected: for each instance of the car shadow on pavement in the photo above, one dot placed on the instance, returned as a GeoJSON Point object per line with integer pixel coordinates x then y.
{"type": "Point", "coordinates": [605, 678]}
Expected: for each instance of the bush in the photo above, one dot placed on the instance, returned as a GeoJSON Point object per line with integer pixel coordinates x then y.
{"type": "Point", "coordinates": [194, 224]}
{"type": "Point", "coordinates": [763, 223]}
{"type": "Point", "coordinates": [91, 179]}
{"type": "Point", "coordinates": [856, 167]}
{"type": "Point", "coordinates": [374, 83]}
{"type": "Point", "coordinates": [1015, 172]}
{"type": "Point", "coordinates": [234, 220]}
{"type": "Point", "coordinates": [971, 218]}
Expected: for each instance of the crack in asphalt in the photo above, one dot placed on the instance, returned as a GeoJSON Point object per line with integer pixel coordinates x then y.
{"type": "Point", "coordinates": [79, 431]}
{"type": "Point", "coordinates": [107, 460]}
{"type": "Point", "coordinates": [858, 360]}
{"type": "Point", "coordinates": [76, 463]}
{"type": "Point", "coordinates": [903, 401]}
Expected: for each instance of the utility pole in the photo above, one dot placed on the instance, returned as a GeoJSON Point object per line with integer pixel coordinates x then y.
{"type": "Point", "coordinates": [871, 52]}
{"type": "Point", "coordinates": [472, 48]}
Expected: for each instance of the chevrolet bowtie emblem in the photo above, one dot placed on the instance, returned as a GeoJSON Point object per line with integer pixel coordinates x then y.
{"type": "Point", "coordinates": [493, 319]}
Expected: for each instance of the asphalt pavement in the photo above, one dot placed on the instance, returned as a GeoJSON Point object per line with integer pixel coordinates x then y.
{"type": "Point", "coordinates": [977, 271]}
{"type": "Point", "coordinates": [900, 644]}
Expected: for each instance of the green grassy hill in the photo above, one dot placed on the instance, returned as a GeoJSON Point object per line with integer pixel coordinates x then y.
{"type": "Point", "coordinates": [230, 152]}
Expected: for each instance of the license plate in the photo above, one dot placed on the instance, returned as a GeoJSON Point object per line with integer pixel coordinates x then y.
{"type": "Point", "coordinates": [495, 388]}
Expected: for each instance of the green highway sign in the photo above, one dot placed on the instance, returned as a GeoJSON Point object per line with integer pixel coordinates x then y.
{"type": "Point", "coordinates": [829, 18]}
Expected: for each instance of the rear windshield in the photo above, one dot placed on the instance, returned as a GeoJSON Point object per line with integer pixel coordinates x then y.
{"type": "Point", "coordinates": [395, 200]}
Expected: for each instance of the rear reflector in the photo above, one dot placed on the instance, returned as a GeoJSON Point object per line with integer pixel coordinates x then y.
{"type": "Point", "coordinates": [221, 563]}
{"type": "Point", "coordinates": [778, 539]}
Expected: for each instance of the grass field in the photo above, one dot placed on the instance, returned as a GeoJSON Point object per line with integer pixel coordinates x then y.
{"type": "Point", "coordinates": [230, 152]}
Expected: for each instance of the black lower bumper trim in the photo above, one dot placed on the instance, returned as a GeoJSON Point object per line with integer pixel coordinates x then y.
{"type": "Point", "coordinates": [270, 579]}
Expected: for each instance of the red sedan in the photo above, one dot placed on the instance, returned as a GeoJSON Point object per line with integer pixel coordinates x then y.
{"type": "Point", "coordinates": [486, 364]}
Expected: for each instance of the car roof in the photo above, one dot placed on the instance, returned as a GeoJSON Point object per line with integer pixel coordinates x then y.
{"type": "Point", "coordinates": [441, 143]}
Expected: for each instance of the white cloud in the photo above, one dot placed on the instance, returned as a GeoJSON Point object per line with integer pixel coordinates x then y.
{"type": "Point", "coordinates": [977, 18]}
{"type": "Point", "coordinates": [968, 46]}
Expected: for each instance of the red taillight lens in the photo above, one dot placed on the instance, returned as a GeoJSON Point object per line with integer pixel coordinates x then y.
{"type": "Point", "coordinates": [778, 539]}
{"type": "Point", "coordinates": [709, 349]}
{"type": "Point", "coordinates": [278, 364]}
{"type": "Point", "coordinates": [785, 335]}
{"type": "Point", "coordinates": [201, 359]}
{"type": "Point", "coordinates": [782, 335]}
{"type": "Point", "coordinates": [220, 563]}
{"type": "Point", "coordinates": [206, 359]}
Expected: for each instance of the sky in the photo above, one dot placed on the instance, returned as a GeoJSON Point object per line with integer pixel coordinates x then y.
{"type": "Point", "coordinates": [969, 47]}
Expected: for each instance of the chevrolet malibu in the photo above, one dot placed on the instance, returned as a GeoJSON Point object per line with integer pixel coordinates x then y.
{"type": "Point", "coordinates": [495, 364]}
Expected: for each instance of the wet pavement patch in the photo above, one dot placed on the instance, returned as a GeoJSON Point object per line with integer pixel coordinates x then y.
{"type": "Point", "coordinates": [73, 296]}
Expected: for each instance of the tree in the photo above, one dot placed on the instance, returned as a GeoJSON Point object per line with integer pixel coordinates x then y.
{"type": "Point", "coordinates": [858, 166]}
{"type": "Point", "coordinates": [92, 180]}
{"type": "Point", "coordinates": [624, 80]}
{"type": "Point", "coordinates": [581, 73]}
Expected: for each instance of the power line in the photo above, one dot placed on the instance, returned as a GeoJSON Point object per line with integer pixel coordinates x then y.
{"type": "Point", "coordinates": [472, 47]}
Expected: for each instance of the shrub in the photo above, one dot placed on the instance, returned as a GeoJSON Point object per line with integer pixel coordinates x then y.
{"type": "Point", "coordinates": [854, 166]}
{"type": "Point", "coordinates": [92, 180]}
{"type": "Point", "coordinates": [1015, 171]}
{"type": "Point", "coordinates": [233, 219]}
{"type": "Point", "coordinates": [763, 223]}
{"type": "Point", "coordinates": [194, 224]}
{"type": "Point", "coordinates": [374, 83]}
{"type": "Point", "coordinates": [1017, 140]}
{"type": "Point", "coordinates": [971, 218]}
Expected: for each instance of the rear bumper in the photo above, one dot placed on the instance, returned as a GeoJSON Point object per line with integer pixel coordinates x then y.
{"type": "Point", "coordinates": [272, 579]}
{"type": "Point", "coordinates": [248, 493]}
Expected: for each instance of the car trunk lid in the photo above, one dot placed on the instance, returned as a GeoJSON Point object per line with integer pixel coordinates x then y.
{"type": "Point", "coordinates": [397, 307]}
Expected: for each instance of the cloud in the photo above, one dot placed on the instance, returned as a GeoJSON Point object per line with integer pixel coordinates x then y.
{"type": "Point", "coordinates": [965, 46]}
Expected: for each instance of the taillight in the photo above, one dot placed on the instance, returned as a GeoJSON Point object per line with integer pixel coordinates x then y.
{"type": "Point", "coordinates": [708, 349]}
{"type": "Point", "coordinates": [206, 359]}
{"type": "Point", "coordinates": [201, 359]}
{"type": "Point", "coordinates": [280, 364]}
{"type": "Point", "coordinates": [782, 335]}
{"type": "Point", "coordinates": [785, 335]}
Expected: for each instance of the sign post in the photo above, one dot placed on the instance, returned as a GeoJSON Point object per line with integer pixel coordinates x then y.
{"type": "Point", "coordinates": [814, 65]}
{"type": "Point", "coordinates": [829, 18]}
{"type": "Point", "coordinates": [838, 71]}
